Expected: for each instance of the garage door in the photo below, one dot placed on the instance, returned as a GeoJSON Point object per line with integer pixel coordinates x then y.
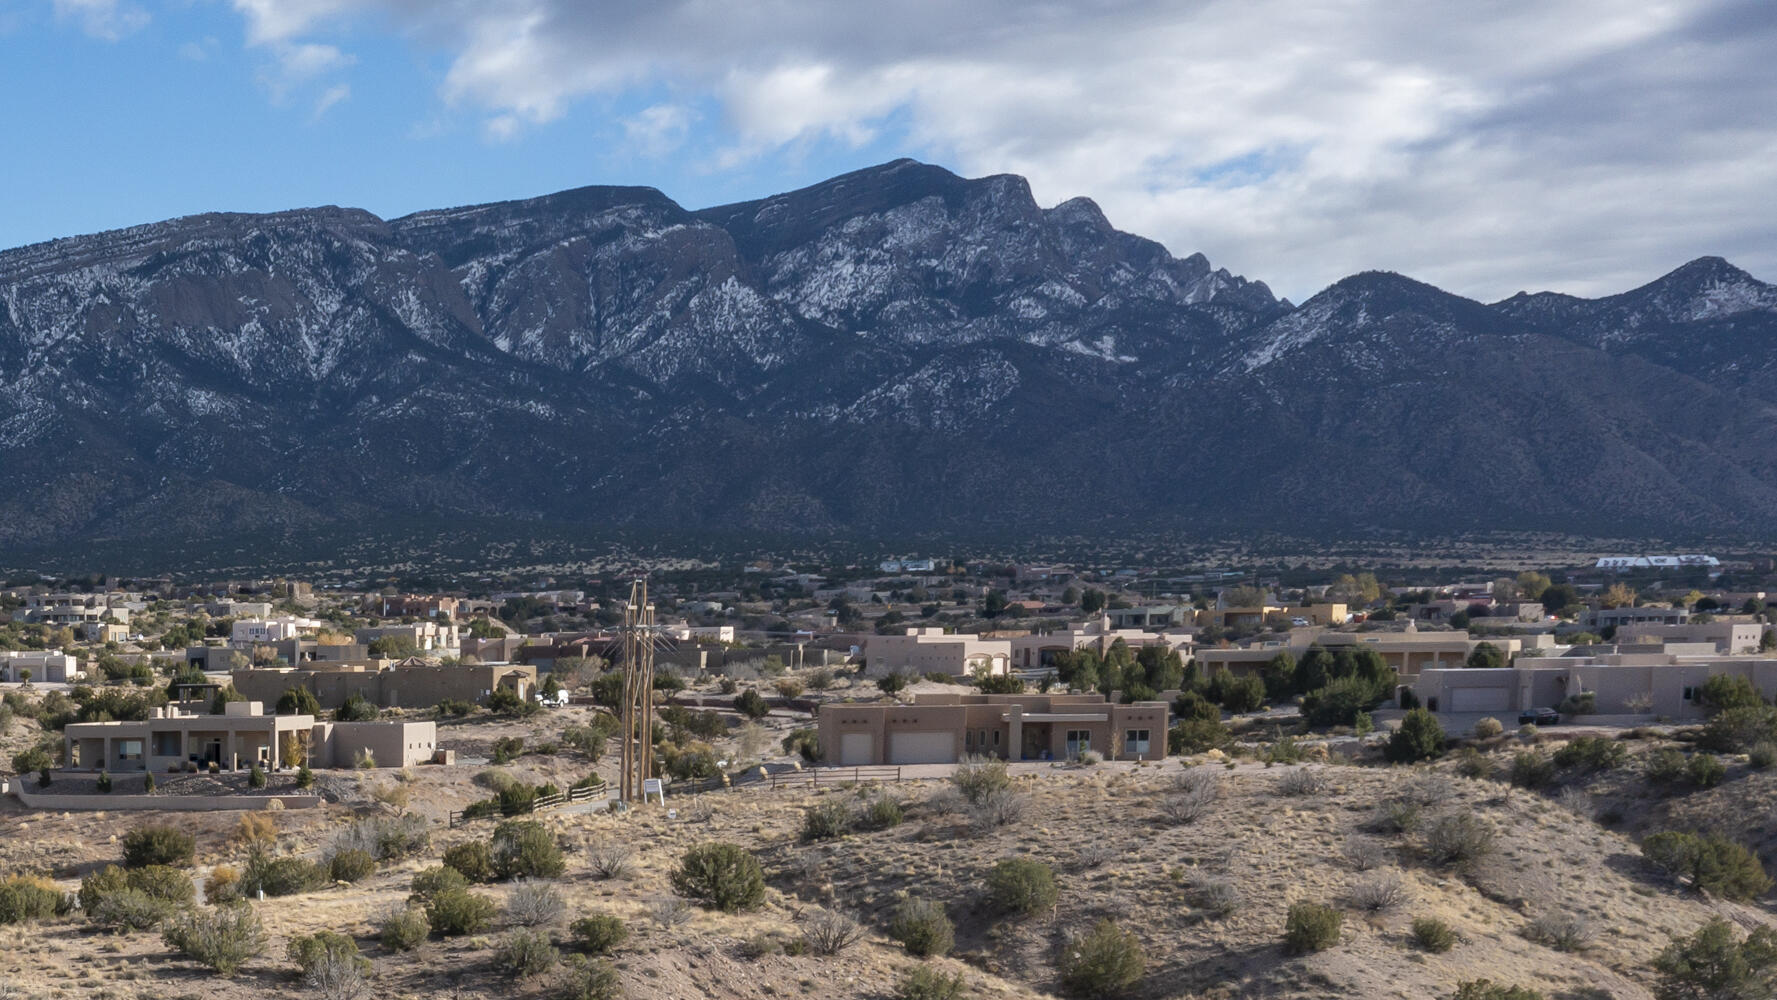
{"type": "Point", "coordinates": [1479, 700]}
{"type": "Point", "coordinates": [855, 749]}
{"type": "Point", "coordinates": [922, 748]}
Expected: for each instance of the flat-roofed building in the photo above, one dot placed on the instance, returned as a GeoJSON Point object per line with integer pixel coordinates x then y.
{"type": "Point", "coordinates": [943, 728]}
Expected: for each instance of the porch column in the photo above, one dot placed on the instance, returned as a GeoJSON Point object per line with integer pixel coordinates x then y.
{"type": "Point", "coordinates": [68, 753]}
{"type": "Point", "coordinates": [110, 753]}
{"type": "Point", "coordinates": [1015, 732]}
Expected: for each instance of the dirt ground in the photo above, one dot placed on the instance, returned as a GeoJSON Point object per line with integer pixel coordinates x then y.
{"type": "Point", "coordinates": [1115, 856]}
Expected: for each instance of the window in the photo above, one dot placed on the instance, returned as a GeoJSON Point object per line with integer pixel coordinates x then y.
{"type": "Point", "coordinates": [1690, 694]}
{"type": "Point", "coordinates": [1135, 741]}
{"type": "Point", "coordinates": [129, 749]}
{"type": "Point", "coordinates": [996, 737]}
{"type": "Point", "coordinates": [1079, 741]}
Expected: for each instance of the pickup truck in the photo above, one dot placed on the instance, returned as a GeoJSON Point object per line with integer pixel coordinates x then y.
{"type": "Point", "coordinates": [1539, 717]}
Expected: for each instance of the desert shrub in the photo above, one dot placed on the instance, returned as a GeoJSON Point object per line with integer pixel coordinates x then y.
{"type": "Point", "coordinates": [1419, 737]}
{"type": "Point", "coordinates": [473, 859]}
{"type": "Point", "coordinates": [1532, 769]}
{"type": "Point", "coordinates": [724, 877]}
{"type": "Point", "coordinates": [1733, 730]}
{"type": "Point", "coordinates": [516, 799]}
{"type": "Point", "coordinates": [1762, 755]}
{"type": "Point", "coordinates": [1105, 962]}
{"type": "Point", "coordinates": [1301, 781]}
{"type": "Point", "coordinates": [1711, 964]}
{"type": "Point", "coordinates": [923, 982]}
{"type": "Point", "coordinates": [1397, 816]}
{"type": "Point", "coordinates": [524, 848]}
{"type": "Point", "coordinates": [223, 886]}
{"type": "Point", "coordinates": [525, 953]}
{"type": "Point", "coordinates": [1705, 770]}
{"type": "Point", "coordinates": [977, 777]}
{"type": "Point", "coordinates": [825, 820]}
{"type": "Point", "coordinates": [883, 812]}
{"type": "Point", "coordinates": [594, 980]}
{"type": "Point", "coordinates": [1560, 931]}
{"type": "Point", "coordinates": [453, 707]}
{"type": "Point", "coordinates": [1217, 896]}
{"type": "Point", "coordinates": [256, 829]}
{"type": "Point", "coordinates": [136, 898]}
{"type": "Point", "coordinates": [922, 927]}
{"type": "Point", "coordinates": [356, 708]}
{"type": "Point", "coordinates": [1363, 854]}
{"type": "Point", "coordinates": [611, 860]}
{"type": "Point", "coordinates": [1487, 989]}
{"type": "Point", "coordinates": [24, 898]}
{"type": "Point", "coordinates": [1711, 862]}
{"type": "Point", "coordinates": [104, 782]}
{"type": "Point", "coordinates": [495, 780]}
{"type": "Point", "coordinates": [1725, 691]}
{"type": "Point", "coordinates": [451, 912]}
{"type": "Point", "coordinates": [385, 838]}
{"type": "Point", "coordinates": [533, 904]}
{"type": "Point", "coordinates": [505, 749]}
{"type": "Point", "coordinates": [222, 939]}
{"type": "Point", "coordinates": [280, 876]}
{"type": "Point", "coordinates": [598, 934]}
{"type": "Point", "coordinates": [350, 866]}
{"type": "Point", "coordinates": [1472, 763]}
{"type": "Point", "coordinates": [1458, 840]}
{"type": "Point", "coordinates": [752, 704]}
{"type": "Point", "coordinates": [403, 927]}
{"type": "Point", "coordinates": [805, 743]}
{"type": "Point", "coordinates": [1197, 735]}
{"type": "Point", "coordinates": [670, 911]}
{"type": "Point", "coordinates": [828, 932]}
{"type": "Point", "coordinates": [435, 880]}
{"type": "Point", "coordinates": [1488, 728]}
{"type": "Point", "coordinates": [1665, 765]}
{"type": "Point", "coordinates": [305, 778]}
{"type": "Point", "coordinates": [1381, 892]}
{"type": "Point", "coordinates": [998, 808]}
{"type": "Point", "coordinates": [310, 950]}
{"type": "Point", "coordinates": [1591, 753]}
{"type": "Point", "coordinates": [1339, 702]}
{"type": "Point", "coordinates": [157, 845]}
{"type": "Point", "coordinates": [1021, 885]}
{"type": "Point", "coordinates": [1433, 935]}
{"type": "Point", "coordinates": [1311, 927]}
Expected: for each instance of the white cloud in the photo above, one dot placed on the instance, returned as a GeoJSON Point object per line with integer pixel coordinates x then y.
{"type": "Point", "coordinates": [1579, 144]}
{"type": "Point", "coordinates": [109, 20]}
{"type": "Point", "coordinates": [336, 93]}
{"type": "Point", "coordinates": [658, 130]}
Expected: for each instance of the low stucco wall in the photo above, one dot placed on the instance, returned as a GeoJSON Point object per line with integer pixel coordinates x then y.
{"type": "Point", "coordinates": [172, 803]}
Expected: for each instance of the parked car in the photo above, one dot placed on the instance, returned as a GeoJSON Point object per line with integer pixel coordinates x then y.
{"type": "Point", "coordinates": [1539, 717]}
{"type": "Point", "coordinates": [1299, 622]}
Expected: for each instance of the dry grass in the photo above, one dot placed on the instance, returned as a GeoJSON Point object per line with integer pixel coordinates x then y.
{"type": "Point", "coordinates": [1207, 897]}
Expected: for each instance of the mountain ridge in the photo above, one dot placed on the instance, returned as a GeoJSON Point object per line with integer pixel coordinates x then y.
{"type": "Point", "coordinates": [894, 350]}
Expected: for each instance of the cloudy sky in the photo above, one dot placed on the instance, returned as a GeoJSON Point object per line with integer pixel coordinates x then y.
{"type": "Point", "coordinates": [1579, 145]}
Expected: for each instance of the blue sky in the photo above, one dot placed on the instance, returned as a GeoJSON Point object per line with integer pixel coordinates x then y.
{"type": "Point", "coordinates": [1579, 145]}
{"type": "Point", "coordinates": [180, 116]}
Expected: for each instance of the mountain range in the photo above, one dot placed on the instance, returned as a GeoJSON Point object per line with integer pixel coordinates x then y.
{"type": "Point", "coordinates": [897, 352]}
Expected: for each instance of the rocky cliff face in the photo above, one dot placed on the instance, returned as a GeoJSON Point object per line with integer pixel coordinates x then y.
{"type": "Point", "coordinates": [895, 351]}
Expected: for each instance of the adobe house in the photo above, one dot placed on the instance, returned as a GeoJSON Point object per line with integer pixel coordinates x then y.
{"type": "Point", "coordinates": [242, 736]}
{"type": "Point", "coordinates": [943, 728]}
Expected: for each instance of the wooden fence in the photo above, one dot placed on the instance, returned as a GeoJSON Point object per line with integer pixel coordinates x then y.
{"type": "Point", "coordinates": [554, 800]}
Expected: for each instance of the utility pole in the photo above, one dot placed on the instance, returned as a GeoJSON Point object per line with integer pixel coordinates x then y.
{"type": "Point", "coordinates": [639, 634]}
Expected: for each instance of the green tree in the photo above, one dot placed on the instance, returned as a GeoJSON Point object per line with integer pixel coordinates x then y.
{"type": "Point", "coordinates": [1092, 601]}
{"type": "Point", "coordinates": [1557, 598]}
{"type": "Point", "coordinates": [1713, 863]}
{"type": "Point", "coordinates": [994, 604]}
{"type": "Point", "coordinates": [1724, 691]}
{"type": "Point", "coordinates": [1280, 676]}
{"type": "Point", "coordinates": [1531, 585]}
{"type": "Point", "coordinates": [1712, 964]}
{"type": "Point", "coordinates": [298, 701]}
{"type": "Point", "coordinates": [752, 704]}
{"type": "Point", "coordinates": [1485, 656]}
{"type": "Point", "coordinates": [1420, 737]}
{"type": "Point", "coordinates": [355, 709]}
